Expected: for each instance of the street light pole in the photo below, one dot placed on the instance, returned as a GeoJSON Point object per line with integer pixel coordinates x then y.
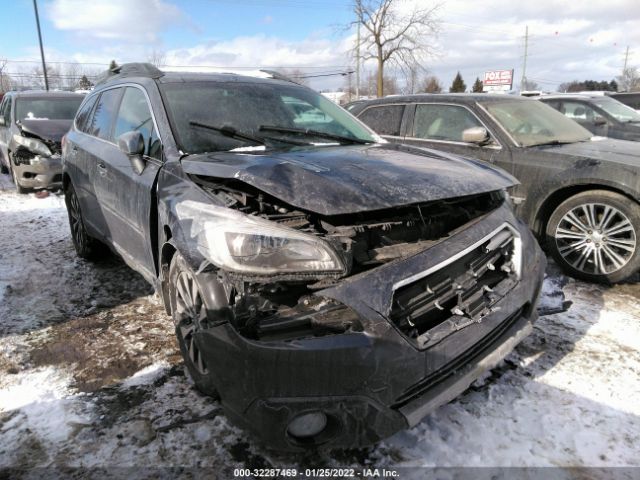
{"type": "Point", "coordinates": [44, 65]}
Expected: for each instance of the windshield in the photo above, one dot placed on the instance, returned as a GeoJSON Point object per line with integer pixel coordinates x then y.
{"type": "Point", "coordinates": [47, 108]}
{"type": "Point", "coordinates": [222, 116]}
{"type": "Point", "coordinates": [531, 122]}
{"type": "Point", "coordinates": [617, 110]}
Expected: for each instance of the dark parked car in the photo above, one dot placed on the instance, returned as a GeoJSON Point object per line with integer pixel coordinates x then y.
{"type": "Point", "coordinates": [32, 124]}
{"type": "Point", "coordinates": [579, 194]}
{"type": "Point", "coordinates": [600, 114]}
{"type": "Point", "coordinates": [630, 99]}
{"type": "Point", "coordinates": [331, 289]}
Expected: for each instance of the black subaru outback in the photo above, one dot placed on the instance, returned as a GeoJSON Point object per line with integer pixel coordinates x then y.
{"type": "Point", "coordinates": [329, 287]}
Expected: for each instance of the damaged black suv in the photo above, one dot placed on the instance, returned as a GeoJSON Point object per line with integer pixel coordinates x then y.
{"type": "Point", "coordinates": [329, 287]}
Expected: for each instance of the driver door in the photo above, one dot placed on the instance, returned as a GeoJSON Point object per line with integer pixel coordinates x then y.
{"type": "Point", "coordinates": [126, 195]}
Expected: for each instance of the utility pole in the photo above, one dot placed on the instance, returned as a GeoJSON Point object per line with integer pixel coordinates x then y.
{"type": "Point", "coordinates": [626, 59]}
{"type": "Point", "coordinates": [524, 63]}
{"type": "Point", "coordinates": [358, 63]}
{"type": "Point", "coordinates": [44, 65]}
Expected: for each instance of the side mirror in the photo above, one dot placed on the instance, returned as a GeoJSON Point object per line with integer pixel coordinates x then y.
{"type": "Point", "coordinates": [132, 144]}
{"type": "Point", "coordinates": [477, 135]}
{"type": "Point", "coordinates": [3, 123]}
{"type": "Point", "coordinates": [599, 121]}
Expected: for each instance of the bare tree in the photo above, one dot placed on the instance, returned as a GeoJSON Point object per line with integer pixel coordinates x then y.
{"type": "Point", "coordinates": [430, 84]}
{"type": "Point", "coordinates": [411, 77]}
{"type": "Point", "coordinates": [53, 76]}
{"type": "Point", "coordinates": [157, 58]}
{"type": "Point", "coordinates": [71, 74]}
{"type": "Point", "coordinates": [394, 37]}
{"type": "Point", "coordinates": [629, 81]}
{"type": "Point", "coordinates": [5, 80]}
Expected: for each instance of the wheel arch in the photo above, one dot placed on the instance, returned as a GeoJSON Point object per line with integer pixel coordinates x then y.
{"type": "Point", "coordinates": [555, 198]}
{"type": "Point", "coordinates": [167, 252]}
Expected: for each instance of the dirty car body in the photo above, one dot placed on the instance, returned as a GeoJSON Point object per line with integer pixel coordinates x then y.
{"type": "Point", "coordinates": [32, 126]}
{"type": "Point", "coordinates": [579, 193]}
{"type": "Point", "coordinates": [331, 288]}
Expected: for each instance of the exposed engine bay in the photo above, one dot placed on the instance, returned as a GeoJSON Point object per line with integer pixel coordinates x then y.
{"type": "Point", "coordinates": [262, 308]}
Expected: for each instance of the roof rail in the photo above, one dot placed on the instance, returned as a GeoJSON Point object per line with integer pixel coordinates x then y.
{"type": "Point", "coordinates": [129, 70]}
{"type": "Point", "coordinates": [280, 76]}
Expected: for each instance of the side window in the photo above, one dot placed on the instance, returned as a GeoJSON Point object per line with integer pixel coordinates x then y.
{"type": "Point", "coordinates": [580, 112]}
{"type": "Point", "coordinates": [102, 120]}
{"type": "Point", "coordinates": [135, 115]}
{"type": "Point", "coordinates": [82, 117]}
{"type": "Point", "coordinates": [385, 119]}
{"type": "Point", "coordinates": [443, 122]}
{"type": "Point", "coordinates": [7, 112]}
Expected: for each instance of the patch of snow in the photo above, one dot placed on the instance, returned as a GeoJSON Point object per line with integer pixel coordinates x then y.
{"type": "Point", "coordinates": [147, 375]}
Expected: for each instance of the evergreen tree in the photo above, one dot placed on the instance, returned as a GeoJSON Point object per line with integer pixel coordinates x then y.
{"type": "Point", "coordinates": [84, 83]}
{"type": "Point", "coordinates": [477, 86]}
{"type": "Point", "coordinates": [458, 85]}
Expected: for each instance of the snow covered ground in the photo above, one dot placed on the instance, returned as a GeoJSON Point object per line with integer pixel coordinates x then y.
{"type": "Point", "coordinates": [90, 376]}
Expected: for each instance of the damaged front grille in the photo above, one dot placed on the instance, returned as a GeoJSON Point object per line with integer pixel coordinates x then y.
{"type": "Point", "coordinates": [273, 307]}
{"type": "Point", "coordinates": [458, 293]}
{"type": "Point", "coordinates": [55, 147]}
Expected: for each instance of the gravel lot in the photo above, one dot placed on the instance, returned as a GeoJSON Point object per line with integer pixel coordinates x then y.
{"type": "Point", "coordinates": [91, 376]}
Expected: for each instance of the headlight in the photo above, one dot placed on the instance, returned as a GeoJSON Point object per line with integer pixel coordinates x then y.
{"type": "Point", "coordinates": [33, 144]}
{"type": "Point", "coordinates": [246, 244]}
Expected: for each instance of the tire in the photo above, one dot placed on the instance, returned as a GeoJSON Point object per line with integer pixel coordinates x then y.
{"type": "Point", "coordinates": [595, 236]}
{"type": "Point", "coordinates": [189, 317]}
{"type": "Point", "coordinates": [86, 246]}
{"type": "Point", "coordinates": [19, 188]}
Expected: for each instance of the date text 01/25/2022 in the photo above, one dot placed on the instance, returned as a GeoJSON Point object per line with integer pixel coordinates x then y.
{"type": "Point", "coordinates": [315, 473]}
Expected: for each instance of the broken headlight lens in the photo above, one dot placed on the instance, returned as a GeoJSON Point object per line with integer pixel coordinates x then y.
{"type": "Point", "coordinates": [246, 244]}
{"type": "Point", "coordinates": [33, 145]}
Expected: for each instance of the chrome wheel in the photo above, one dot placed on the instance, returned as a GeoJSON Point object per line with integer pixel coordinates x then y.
{"type": "Point", "coordinates": [191, 314]}
{"type": "Point", "coordinates": [596, 238]}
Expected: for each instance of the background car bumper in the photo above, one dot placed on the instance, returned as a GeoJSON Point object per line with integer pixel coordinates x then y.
{"type": "Point", "coordinates": [40, 172]}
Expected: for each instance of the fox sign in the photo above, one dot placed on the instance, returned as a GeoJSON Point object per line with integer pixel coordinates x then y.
{"type": "Point", "coordinates": [497, 80]}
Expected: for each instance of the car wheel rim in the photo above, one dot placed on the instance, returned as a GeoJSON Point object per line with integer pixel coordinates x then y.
{"type": "Point", "coordinates": [77, 227]}
{"type": "Point", "coordinates": [191, 314]}
{"type": "Point", "coordinates": [596, 238]}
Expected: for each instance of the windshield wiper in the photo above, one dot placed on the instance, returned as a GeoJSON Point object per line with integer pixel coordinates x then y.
{"type": "Point", "coordinates": [553, 142]}
{"type": "Point", "coordinates": [312, 133]}
{"type": "Point", "coordinates": [228, 131]}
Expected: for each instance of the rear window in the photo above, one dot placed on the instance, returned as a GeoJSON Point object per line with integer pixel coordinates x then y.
{"type": "Point", "coordinates": [384, 119]}
{"type": "Point", "coordinates": [47, 108]}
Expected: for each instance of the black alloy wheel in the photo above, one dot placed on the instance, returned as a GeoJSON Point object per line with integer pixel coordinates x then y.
{"type": "Point", "coordinates": [189, 314]}
{"type": "Point", "coordinates": [86, 246]}
{"type": "Point", "coordinates": [594, 236]}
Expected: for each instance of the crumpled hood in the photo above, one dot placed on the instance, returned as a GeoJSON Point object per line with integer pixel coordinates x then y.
{"type": "Point", "coordinates": [349, 179]}
{"type": "Point", "coordinates": [601, 149]}
{"type": "Point", "coordinates": [52, 130]}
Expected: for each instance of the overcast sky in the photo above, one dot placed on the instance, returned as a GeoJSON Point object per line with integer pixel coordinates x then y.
{"type": "Point", "coordinates": [568, 39]}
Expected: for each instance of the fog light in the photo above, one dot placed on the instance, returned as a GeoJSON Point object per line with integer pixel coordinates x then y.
{"type": "Point", "coordinates": [307, 424]}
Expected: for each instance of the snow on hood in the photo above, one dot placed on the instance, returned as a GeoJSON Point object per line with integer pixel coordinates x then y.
{"type": "Point", "coordinates": [349, 179]}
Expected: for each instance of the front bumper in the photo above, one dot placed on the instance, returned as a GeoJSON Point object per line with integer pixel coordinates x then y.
{"type": "Point", "coordinates": [373, 383]}
{"type": "Point", "coordinates": [40, 172]}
